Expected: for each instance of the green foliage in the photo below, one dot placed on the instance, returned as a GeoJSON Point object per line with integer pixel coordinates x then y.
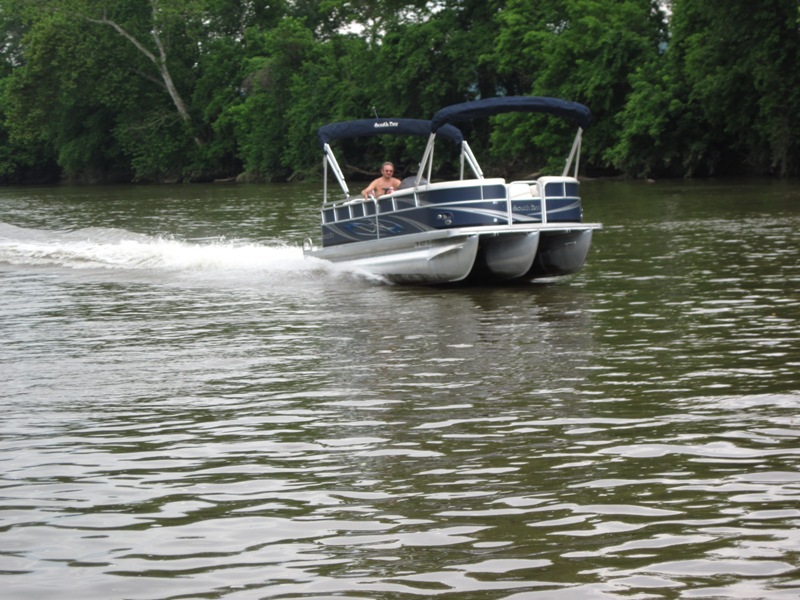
{"type": "Point", "coordinates": [724, 97]}
{"type": "Point", "coordinates": [19, 161]}
{"type": "Point", "coordinates": [333, 85]}
{"type": "Point", "coordinates": [581, 50]}
{"type": "Point", "coordinates": [259, 120]}
{"type": "Point", "coordinates": [197, 89]}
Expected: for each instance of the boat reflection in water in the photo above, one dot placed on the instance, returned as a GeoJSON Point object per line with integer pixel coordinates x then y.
{"type": "Point", "coordinates": [484, 229]}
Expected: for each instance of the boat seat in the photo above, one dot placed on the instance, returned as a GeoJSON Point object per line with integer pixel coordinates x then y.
{"type": "Point", "coordinates": [409, 182]}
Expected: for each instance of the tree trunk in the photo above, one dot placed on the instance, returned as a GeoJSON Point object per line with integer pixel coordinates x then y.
{"type": "Point", "coordinates": [160, 63]}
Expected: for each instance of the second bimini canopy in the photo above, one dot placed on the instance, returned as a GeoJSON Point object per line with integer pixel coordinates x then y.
{"type": "Point", "coordinates": [369, 127]}
{"type": "Point", "coordinates": [573, 111]}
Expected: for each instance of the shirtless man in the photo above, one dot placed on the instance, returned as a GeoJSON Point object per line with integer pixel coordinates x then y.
{"type": "Point", "coordinates": [385, 184]}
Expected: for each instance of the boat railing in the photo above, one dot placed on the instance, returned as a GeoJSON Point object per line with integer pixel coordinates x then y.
{"type": "Point", "coordinates": [328, 158]}
{"type": "Point", "coordinates": [466, 154]}
{"type": "Point", "coordinates": [543, 190]}
{"type": "Point", "coordinates": [332, 211]}
{"type": "Point", "coordinates": [466, 157]}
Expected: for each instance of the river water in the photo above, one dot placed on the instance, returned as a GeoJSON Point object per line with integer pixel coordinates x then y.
{"type": "Point", "coordinates": [191, 410]}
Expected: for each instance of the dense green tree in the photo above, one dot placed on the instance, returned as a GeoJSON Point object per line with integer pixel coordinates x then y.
{"type": "Point", "coordinates": [580, 50]}
{"type": "Point", "coordinates": [372, 19]}
{"type": "Point", "coordinates": [51, 104]}
{"type": "Point", "coordinates": [739, 61]}
{"type": "Point", "coordinates": [145, 77]}
{"type": "Point", "coordinates": [259, 119]}
{"type": "Point", "coordinates": [14, 158]}
{"type": "Point", "coordinates": [443, 59]}
{"type": "Point", "coordinates": [390, 58]}
{"type": "Point", "coordinates": [333, 85]}
{"type": "Point", "coordinates": [724, 99]}
{"type": "Point", "coordinates": [71, 87]}
{"type": "Point", "coordinates": [198, 89]}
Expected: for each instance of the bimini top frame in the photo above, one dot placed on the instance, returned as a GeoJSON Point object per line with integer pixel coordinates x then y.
{"type": "Point", "coordinates": [371, 127]}
{"type": "Point", "coordinates": [578, 113]}
{"type": "Point", "coordinates": [442, 126]}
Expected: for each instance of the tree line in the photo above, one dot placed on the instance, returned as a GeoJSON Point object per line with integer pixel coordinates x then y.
{"type": "Point", "coordinates": [197, 90]}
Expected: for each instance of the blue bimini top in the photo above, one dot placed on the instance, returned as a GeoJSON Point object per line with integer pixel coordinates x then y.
{"type": "Point", "coordinates": [369, 127]}
{"type": "Point", "coordinates": [573, 111]}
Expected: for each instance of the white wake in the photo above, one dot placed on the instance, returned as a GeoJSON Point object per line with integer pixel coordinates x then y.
{"type": "Point", "coordinates": [99, 248]}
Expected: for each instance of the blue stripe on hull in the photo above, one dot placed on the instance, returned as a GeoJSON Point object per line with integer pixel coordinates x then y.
{"type": "Point", "coordinates": [416, 220]}
{"type": "Point", "coordinates": [463, 194]}
{"type": "Point", "coordinates": [564, 209]}
{"type": "Point", "coordinates": [471, 206]}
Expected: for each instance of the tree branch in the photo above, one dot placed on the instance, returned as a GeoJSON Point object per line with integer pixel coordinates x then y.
{"type": "Point", "coordinates": [141, 47]}
{"type": "Point", "coordinates": [159, 61]}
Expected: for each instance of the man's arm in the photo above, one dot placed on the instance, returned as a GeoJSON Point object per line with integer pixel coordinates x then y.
{"type": "Point", "coordinates": [370, 188]}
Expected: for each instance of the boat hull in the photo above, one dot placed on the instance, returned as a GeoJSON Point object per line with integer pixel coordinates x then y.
{"type": "Point", "coordinates": [479, 228]}
{"type": "Point", "coordinates": [429, 258]}
{"type": "Point", "coordinates": [561, 253]}
{"type": "Point", "coordinates": [480, 254]}
{"type": "Point", "coordinates": [505, 256]}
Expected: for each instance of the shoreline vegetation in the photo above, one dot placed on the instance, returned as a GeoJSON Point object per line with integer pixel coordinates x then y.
{"type": "Point", "coordinates": [158, 91]}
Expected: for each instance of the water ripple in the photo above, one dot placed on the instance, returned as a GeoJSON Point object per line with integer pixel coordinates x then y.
{"type": "Point", "coordinates": [225, 430]}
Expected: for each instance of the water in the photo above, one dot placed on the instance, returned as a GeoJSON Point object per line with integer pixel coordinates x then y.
{"type": "Point", "coordinates": [191, 410]}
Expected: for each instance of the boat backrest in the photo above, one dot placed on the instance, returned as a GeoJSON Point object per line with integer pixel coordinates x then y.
{"type": "Point", "coordinates": [410, 182]}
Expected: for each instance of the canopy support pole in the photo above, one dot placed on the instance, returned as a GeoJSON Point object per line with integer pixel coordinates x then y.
{"type": "Point", "coordinates": [574, 154]}
{"type": "Point", "coordinates": [337, 171]}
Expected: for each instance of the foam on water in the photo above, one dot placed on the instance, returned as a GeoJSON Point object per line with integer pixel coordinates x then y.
{"type": "Point", "coordinates": [115, 249]}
